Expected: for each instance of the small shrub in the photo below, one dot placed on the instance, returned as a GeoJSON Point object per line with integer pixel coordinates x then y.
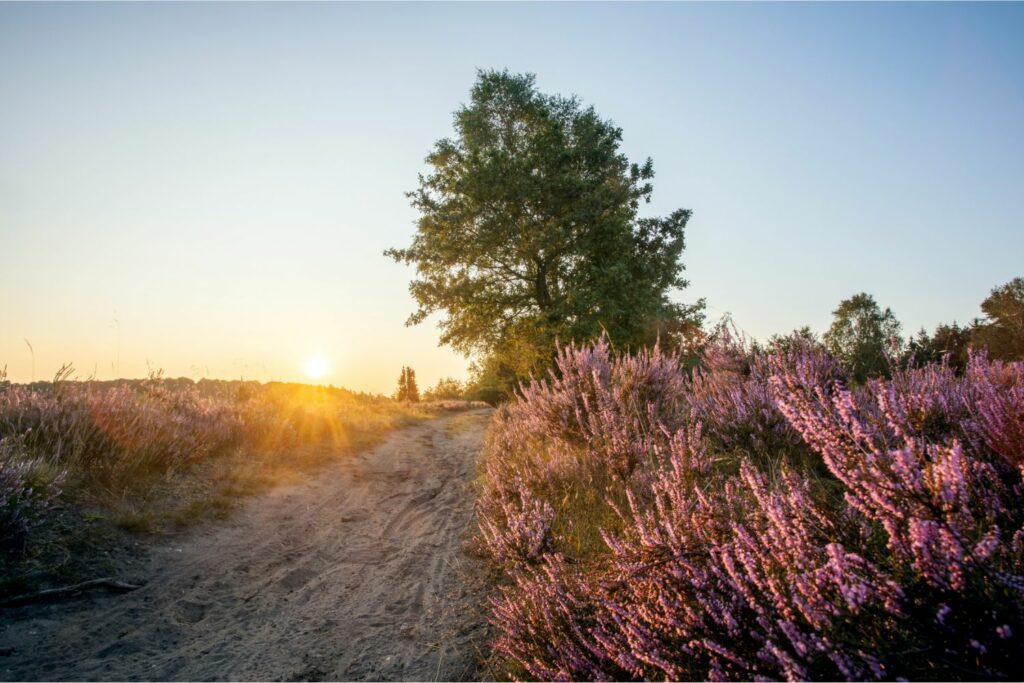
{"type": "Point", "coordinates": [27, 489]}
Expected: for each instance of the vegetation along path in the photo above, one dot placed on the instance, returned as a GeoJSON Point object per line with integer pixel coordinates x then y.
{"type": "Point", "coordinates": [358, 573]}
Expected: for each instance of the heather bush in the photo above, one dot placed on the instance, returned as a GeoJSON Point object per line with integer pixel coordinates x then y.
{"type": "Point", "coordinates": [595, 420]}
{"type": "Point", "coordinates": [613, 410]}
{"type": "Point", "coordinates": [949, 514]}
{"type": "Point", "coordinates": [729, 395]}
{"type": "Point", "coordinates": [995, 402]}
{"type": "Point", "coordinates": [27, 489]}
{"type": "Point", "coordinates": [897, 554]}
{"type": "Point", "coordinates": [523, 534]}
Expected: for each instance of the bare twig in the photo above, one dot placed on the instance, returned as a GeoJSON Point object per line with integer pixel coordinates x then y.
{"type": "Point", "coordinates": [109, 583]}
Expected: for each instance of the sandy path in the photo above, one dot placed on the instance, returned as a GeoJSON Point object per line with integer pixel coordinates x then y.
{"type": "Point", "coordinates": [353, 575]}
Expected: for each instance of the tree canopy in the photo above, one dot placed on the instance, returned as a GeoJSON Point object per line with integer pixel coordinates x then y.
{"type": "Point", "coordinates": [446, 389]}
{"type": "Point", "coordinates": [1002, 332]}
{"type": "Point", "coordinates": [860, 335]}
{"type": "Point", "coordinates": [529, 230]}
{"type": "Point", "coordinates": [949, 343]}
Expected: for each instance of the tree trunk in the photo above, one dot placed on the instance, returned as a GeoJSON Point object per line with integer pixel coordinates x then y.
{"type": "Point", "coordinates": [541, 285]}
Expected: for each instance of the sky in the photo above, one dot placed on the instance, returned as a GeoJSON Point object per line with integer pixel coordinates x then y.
{"type": "Point", "coordinates": [207, 189]}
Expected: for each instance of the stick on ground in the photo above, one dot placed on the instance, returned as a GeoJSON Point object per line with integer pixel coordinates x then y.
{"type": "Point", "coordinates": [109, 583]}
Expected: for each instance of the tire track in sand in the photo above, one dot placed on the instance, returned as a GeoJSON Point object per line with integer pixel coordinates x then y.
{"type": "Point", "coordinates": [352, 575]}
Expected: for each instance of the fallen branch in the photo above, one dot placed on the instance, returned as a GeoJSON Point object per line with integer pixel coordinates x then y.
{"type": "Point", "coordinates": [108, 583]}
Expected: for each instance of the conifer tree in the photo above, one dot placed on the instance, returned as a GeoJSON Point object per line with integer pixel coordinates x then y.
{"type": "Point", "coordinates": [407, 389]}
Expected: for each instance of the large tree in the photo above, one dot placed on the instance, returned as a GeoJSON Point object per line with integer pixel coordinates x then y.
{"type": "Point", "coordinates": [529, 230]}
{"type": "Point", "coordinates": [1002, 331]}
{"type": "Point", "coordinates": [861, 334]}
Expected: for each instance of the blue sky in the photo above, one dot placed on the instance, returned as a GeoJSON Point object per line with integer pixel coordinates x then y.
{"type": "Point", "coordinates": [208, 188]}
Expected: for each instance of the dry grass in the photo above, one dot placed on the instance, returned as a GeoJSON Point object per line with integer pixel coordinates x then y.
{"type": "Point", "coordinates": [154, 454]}
{"type": "Point", "coordinates": [158, 456]}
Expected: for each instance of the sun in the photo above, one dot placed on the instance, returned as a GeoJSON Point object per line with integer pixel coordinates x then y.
{"type": "Point", "coordinates": [316, 367]}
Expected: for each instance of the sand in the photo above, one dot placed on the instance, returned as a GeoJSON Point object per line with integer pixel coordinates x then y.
{"type": "Point", "coordinates": [357, 573]}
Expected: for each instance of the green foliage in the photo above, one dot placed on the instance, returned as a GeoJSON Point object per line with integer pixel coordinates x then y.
{"type": "Point", "coordinates": [860, 336]}
{"type": "Point", "coordinates": [446, 389]}
{"type": "Point", "coordinates": [407, 391]}
{"type": "Point", "coordinates": [949, 342]}
{"type": "Point", "coordinates": [529, 232]}
{"type": "Point", "coordinates": [1002, 332]}
{"type": "Point", "coordinates": [494, 378]}
{"type": "Point", "coordinates": [802, 337]}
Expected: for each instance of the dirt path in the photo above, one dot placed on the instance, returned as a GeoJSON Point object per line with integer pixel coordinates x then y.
{"type": "Point", "coordinates": [353, 575]}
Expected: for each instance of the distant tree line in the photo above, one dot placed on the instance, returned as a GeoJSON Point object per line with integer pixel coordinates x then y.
{"type": "Point", "coordinates": [867, 339]}
{"type": "Point", "coordinates": [1000, 331]}
{"type": "Point", "coordinates": [446, 389]}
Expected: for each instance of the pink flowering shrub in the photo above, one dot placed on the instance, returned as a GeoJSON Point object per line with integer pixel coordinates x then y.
{"type": "Point", "coordinates": [24, 496]}
{"type": "Point", "coordinates": [995, 401]}
{"type": "Point", "coordinates": [729, 394]}
{"type": "Point", "coordinates": [595, 420]}
{"type": "Point", "coordinates": [523, 534]}
{"type": "Point", "coordinates": [899, 555]}
{"type": "Point", "coordinates": [613, 410]}
{"type": "Point", "coordinates": [949, 514]}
